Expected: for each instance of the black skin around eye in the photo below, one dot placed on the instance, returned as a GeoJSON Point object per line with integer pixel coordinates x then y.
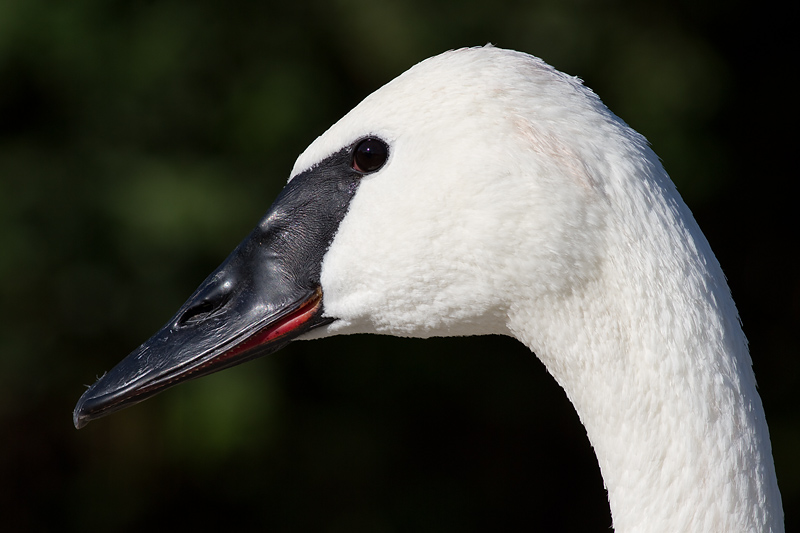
{"type": "Point", "coordinates": [370, 155]}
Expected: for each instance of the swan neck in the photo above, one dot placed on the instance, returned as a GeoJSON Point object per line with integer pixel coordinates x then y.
{"type": "Point", "coordinates": [654, 360]}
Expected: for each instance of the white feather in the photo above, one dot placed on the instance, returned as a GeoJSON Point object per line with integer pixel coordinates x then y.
{"type": "Point", "coordinates": [514, 202]}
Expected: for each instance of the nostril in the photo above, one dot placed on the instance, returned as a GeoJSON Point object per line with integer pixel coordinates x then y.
{"type": "Point", "coordinates": [210, 299]}
{"type": "Point", "coordinates": [200, 311]}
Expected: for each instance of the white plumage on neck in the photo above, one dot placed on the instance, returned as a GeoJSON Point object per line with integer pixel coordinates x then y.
{"type": "Point", "coordinates": [514, 202]}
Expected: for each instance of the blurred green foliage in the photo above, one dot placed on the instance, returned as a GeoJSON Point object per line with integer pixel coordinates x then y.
{"type": "Point", "coordinates": [140, 141]}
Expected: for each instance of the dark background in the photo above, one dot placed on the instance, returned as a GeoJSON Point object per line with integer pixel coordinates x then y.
{"type": "Point", "coordinates": [140, 141]}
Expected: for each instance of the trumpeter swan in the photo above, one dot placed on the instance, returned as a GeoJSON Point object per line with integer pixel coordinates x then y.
{"type": "Point", "coordinates": [485, 192]}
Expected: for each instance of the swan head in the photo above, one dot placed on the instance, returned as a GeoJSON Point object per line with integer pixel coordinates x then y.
{"type": "Point", "coordinates": [484, 192]}
{"type": "Point", "coordinates": [485, 183]}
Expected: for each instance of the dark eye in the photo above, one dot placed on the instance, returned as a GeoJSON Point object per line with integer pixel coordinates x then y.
{"type": "Point", "coordinates": [370, 155]}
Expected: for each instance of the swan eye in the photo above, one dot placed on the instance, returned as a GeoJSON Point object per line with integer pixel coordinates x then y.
{"type": "Point", "coordinates": [370, 155]}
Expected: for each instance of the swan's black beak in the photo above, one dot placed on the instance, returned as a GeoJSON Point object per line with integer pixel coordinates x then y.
{"type": "Point", "coordinates": [266, 293]}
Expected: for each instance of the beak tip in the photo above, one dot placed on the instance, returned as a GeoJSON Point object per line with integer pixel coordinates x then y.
{"type": "Point", "coordinates": [85, 408]}
{"type": "Point", "coordinates": [78, 418]}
